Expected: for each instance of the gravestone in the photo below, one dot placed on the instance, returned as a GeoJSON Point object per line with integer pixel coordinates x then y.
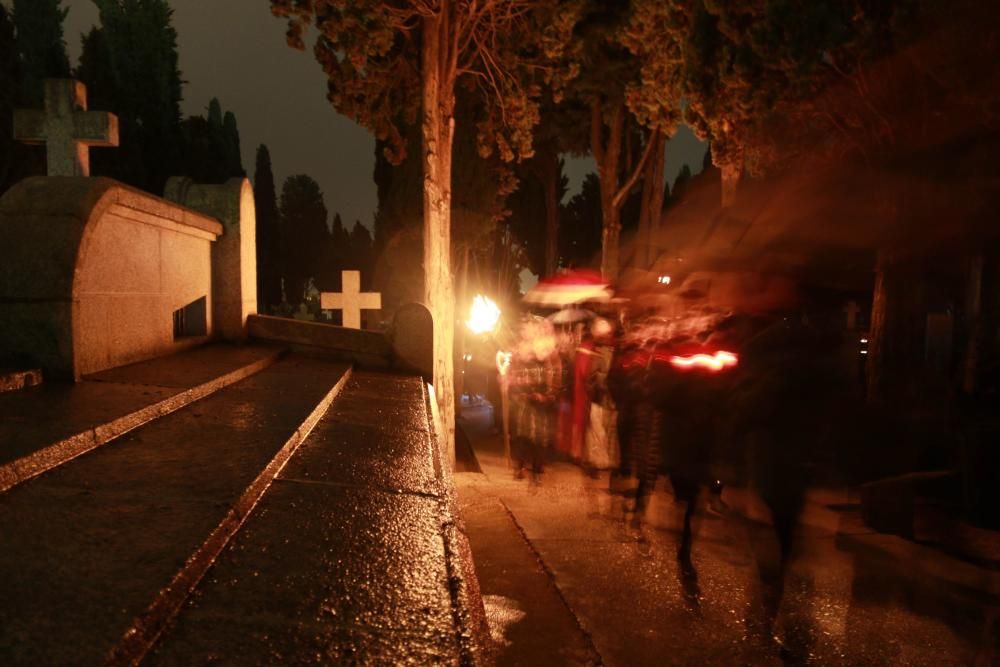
{"type": "Point", "coordinates": [351, 300]}
{"type": "Point", "coordinates": [66, 128]}
{"type": "Point", "coordinates": [413, 340]}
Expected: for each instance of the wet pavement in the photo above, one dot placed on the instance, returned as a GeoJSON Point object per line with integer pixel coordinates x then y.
{"type": "Point", "coordinates": [89, 545]}
{"type": "Point", "coordinates": [350, 557]}
{"type": "Point", "coordinates": [38, 417]}
{"type": "Point", "coordinates": [848, 601]}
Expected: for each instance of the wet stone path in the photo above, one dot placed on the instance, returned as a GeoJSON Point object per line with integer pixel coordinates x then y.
{"type": "Point", "coordinates": [346, 558]}
{"type": "Point", "coordinates": [88, 546]}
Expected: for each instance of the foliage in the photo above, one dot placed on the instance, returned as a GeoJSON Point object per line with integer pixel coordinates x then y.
{"type": "Point", "coordinates": [304, 233]}
{"type": "Point", "coordinates": [212, 146]}
{"type": "Point", "coordinates": [41, 49]}
{"type": "Point", "coordinates": [268, 233]}
{"type": "Point", "coordinates": [370, 52]}
{"type": "Point", "coordinates": [130, 63]}
{"type": "Point", "coordinates": [743, 62]}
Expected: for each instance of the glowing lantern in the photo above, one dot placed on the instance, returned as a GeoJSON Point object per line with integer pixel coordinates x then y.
{"type": "Point", "coordinates": [503, 361]}
{"type": "Point", "coordinates": [483, 316]}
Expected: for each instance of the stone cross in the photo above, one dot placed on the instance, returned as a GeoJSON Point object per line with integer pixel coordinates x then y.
{"type": "Point", "coordinates": [852, 310]}
{"type": "Point", "coordinates": [351, 299]}
{"type": "Point", "coordinates": [66, 128]}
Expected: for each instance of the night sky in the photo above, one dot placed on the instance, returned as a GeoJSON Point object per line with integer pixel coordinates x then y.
{"type": "Point", "coordinates": [235, 50]}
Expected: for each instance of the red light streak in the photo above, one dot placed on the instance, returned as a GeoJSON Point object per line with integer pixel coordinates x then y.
{"type": "Point", "coordinates": [710, 362]}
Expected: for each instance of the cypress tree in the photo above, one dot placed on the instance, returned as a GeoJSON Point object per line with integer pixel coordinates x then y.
{"type": "Point", "coordinates": [268, 239]}
{"type": "Point", "coordinates": [304, 233]}
{"type": "Point", "coordinates": [41, 48]}
{"type": "Point", "coordinates": [138, 48]}
{"type": "Point", "coordinates": [231, 146]}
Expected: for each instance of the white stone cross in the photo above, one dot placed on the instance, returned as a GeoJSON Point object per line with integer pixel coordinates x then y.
{"type": "Point", "coordinates": [66, 128]}
{"type": "Point", "coordinates": [351, 299]}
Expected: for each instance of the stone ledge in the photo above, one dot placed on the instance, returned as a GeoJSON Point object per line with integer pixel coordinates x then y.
{"type": "Point", "coordinates": [369, 349]}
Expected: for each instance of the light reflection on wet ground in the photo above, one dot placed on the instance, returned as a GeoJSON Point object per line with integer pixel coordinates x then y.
{"type": "Point", "coordinates": [845, 603]}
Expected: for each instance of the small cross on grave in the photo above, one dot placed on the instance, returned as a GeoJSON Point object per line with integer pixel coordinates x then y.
{"type": "Point", "coordinates": [851, 310]}
{"type": "Point", "coordinates": [66, 128]}
{"type": "Point", "coordinates": [351, 299]}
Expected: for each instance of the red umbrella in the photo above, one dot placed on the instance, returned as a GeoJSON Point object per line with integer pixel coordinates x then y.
{"type": "Point", "coordinates": [569, 287]}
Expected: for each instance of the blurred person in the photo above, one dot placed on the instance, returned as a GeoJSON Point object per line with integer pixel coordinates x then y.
{"type": "Point", "coordinates": [535, 379]}
{"type": "Point", "coordinates": [600, 444]}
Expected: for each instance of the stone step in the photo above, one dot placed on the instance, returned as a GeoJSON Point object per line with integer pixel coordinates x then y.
{"type": "Point", "coordinates": [353, 556]}
{"type": "Point", "coordinates": [89, 546]}
{"type": "Point", "coordinates": [13, 380]}
{"type": "Point", "coordinates": [46, 426]}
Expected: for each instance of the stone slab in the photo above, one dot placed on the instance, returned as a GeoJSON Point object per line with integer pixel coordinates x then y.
{"type": "Point", "coordinates": [369, 349]}
{"type": "Point", "coordinates": [44, 426]}
{"type": "Point", "coordinates": [90, 545]}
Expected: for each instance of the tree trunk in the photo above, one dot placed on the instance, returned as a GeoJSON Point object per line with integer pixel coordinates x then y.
{"type": "Point", "coordinates": [652, 203]}
{"type": "Point", "coordinates": [438, 129]}
{"type": "Point", "coordinates": [610, 170]}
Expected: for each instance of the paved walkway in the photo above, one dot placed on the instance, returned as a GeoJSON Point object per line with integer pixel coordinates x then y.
{"type": "Point", "coordinates": [43, 426]}
{"type": "Point", "coordinates": [352, 557]}
{"type": "Point", "coordinates": [88, 546]}
{"type": "Point", "coordinates": [564, 553]}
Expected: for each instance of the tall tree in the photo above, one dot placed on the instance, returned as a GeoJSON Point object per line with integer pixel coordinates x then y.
{"type": "Point", "coordinates": [622, 135]}
{"type": "Point", "coordinates": [211, 146]}
{"type": "Point", "coordinates": [268, 238]}
{"type": "Point", "coordinates": [390, 60]}
{"type": "Point", "coordinates": [134, 63]}
{"type": "Point", "coordinates": [41, 48]}
{"type": "Point", "coordinates": [304, 234]}
{"type": "Point", "coordinates": [231, 143]}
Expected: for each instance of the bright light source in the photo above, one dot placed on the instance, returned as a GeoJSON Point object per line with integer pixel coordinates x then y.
{"type": "Point", "coordinates": [663, 280]}
{"type": "Point", "coordinates": [467, 357]}
{"type": "Point", "coordinates": [503, 361]}
{"type": "Point", "coordinates": [864, 351]}
{"type": "Point", "coordinates": [864, 340]}
{"type": "Point", "coordinates": [483, 316]}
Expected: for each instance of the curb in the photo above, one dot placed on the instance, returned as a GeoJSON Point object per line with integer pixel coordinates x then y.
{"type": "Point", "coordinates": [45, 459]}
{"type": "Point", "coordinates": [145, 630]}
{"type": "Point", "coordinates": [468, 610]}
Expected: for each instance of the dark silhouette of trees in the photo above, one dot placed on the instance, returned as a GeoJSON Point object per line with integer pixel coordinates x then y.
{"type": "Point", "coordinates": [212, 146]}
{"type": "Point", "coordinates": [130, 62]}
{"type": "Point", "coordinates": [580, 237]}
{"type": "Point", "coordinates": [268, 233]}
{"type": "Point", "coordinates": [304, 234]}
{"type": "Point", "coordinates": [41, 48]}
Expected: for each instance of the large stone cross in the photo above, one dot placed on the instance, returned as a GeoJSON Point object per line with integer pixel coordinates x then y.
{"type": "Point", "coordinates": [66, 128]}
{"type": "Point", "coordinates": [351, 299]}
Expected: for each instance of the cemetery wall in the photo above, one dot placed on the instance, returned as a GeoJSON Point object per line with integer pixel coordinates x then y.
{"type": "Point", "coordinates": [92, 273]}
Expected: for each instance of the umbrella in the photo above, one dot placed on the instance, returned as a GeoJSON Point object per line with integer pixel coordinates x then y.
{"type": "Point", "coordinates": [569, 287]}
{"type": "Point", "coordinates": [571, 315]}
